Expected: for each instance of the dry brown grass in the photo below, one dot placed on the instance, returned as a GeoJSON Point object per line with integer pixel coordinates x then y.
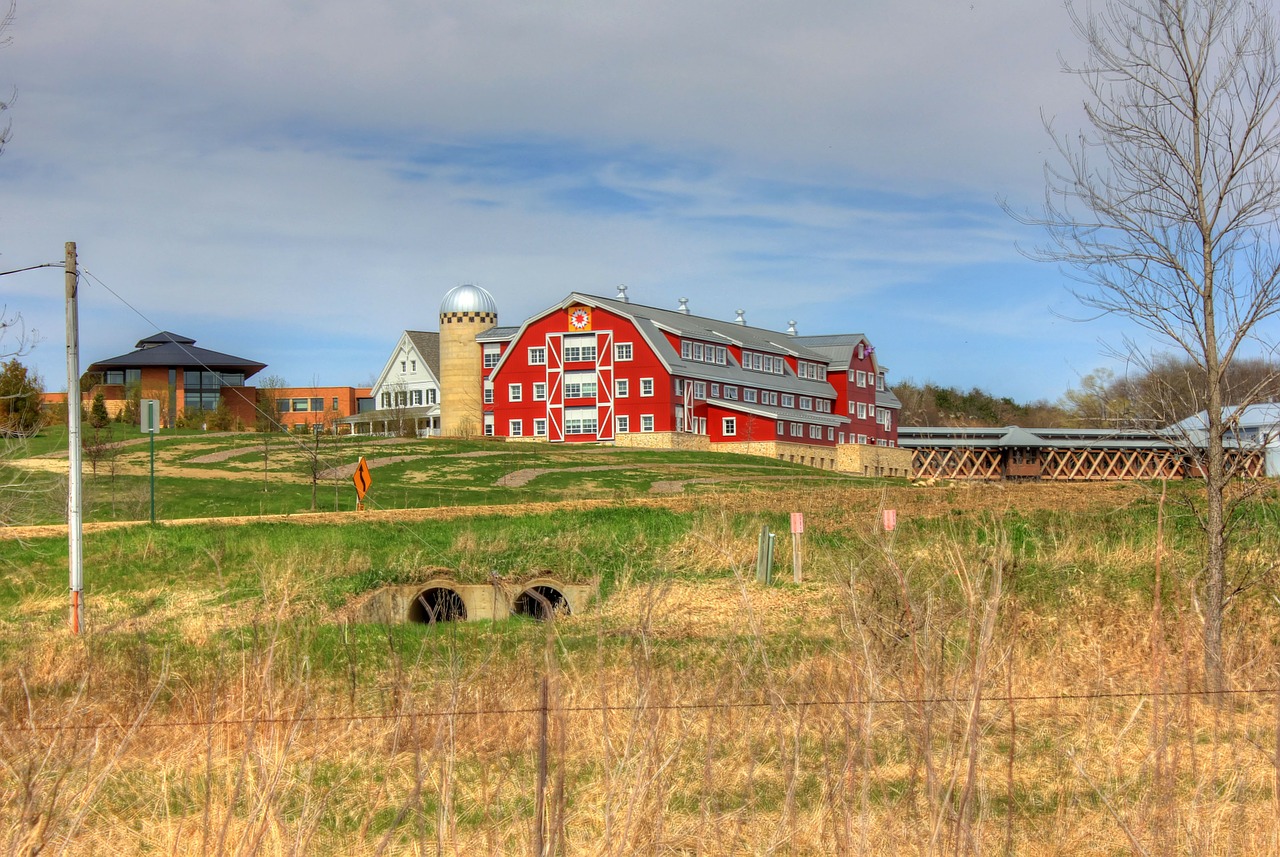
{"type": "Point", "coordinates": [897, 702]}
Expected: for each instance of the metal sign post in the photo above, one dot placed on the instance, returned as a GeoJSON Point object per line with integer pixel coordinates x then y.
{"type": "Point", "coordinates": [149, 420]}
{"type": "Point", "coordinates": [363, 480]}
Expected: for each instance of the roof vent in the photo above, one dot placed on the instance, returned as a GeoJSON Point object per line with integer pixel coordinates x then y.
{"type": "Point", "coordinates": [684, 306]}
{"type": "Point", "coordinates": [742, 317]}
{"type": "Point", "coordinates": [622, 294]}
{"type": "Point", "coordinates": [791, 328]}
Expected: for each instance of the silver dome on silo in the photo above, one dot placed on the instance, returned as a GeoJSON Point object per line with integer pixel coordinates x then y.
{"type": "Point", "coordinates": [468, 298]}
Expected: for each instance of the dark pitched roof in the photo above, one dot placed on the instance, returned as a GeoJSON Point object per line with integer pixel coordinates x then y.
{"type": "Point", "coordinates": [886, 398]}
{"type": "Point", "coordinates": [168, 350]}
{"type": "Point", "coordinates": [497, 334]}
{"type": "Point", "coordinates": [776, 413]}
{"type": "Point", "coordinates": [164, 337]}
{"type": "Point", "coordinates": [427, 343]}
{"type": "Point", "coordinates": [711, 329]}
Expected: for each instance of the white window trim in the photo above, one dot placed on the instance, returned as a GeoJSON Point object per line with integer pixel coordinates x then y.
{"type": "Point", "coordinates": [621, 388]}
{"type": "Point", "coordinates": [515, 428]}
{"type": "Point", "coordinates": [539, 391]}
{"type": "Point", "coordinates": [646, 382]}
{"type": "Point", "coordinates": [515, 393]}
{"type": "Point", "coordinates": [729, 428]}
{"type": "Point", "coordinates": [646, 420]}
{"type": "Point", "coordinates": [618, 350]}
{"type": "Point", "coordinates": [536, 351]}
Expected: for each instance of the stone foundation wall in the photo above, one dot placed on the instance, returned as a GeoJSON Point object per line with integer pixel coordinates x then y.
{"type": "Point", "coordinates": [865, 460]}
{"type": "Point", "coordinates": [858, 459]}
{"type": "Point", "coordinates": [664, 440]}
{"type": "Point", "coordinates": [821, 457]}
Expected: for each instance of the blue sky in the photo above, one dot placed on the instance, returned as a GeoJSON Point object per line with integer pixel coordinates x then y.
{"type": "Point", "coordinates": [296, 183]}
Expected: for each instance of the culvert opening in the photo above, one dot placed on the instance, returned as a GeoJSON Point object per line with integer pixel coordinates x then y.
{"type": "Point", "coordinates": [541, 602]}
{"type": "Point", "coordinates": [437, 604]}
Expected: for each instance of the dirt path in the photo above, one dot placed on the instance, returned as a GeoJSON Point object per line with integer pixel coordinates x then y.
{"type": "Point", "coordinates": [854, 508]}
{"type": "Point", "coordinates": [137, 441]}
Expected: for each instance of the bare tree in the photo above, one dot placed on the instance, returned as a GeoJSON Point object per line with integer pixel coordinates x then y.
{"type": "Point", "coordinates": [21, 496]}
{"type": "Point", "coordinates": [10, 10]}
{"type": "Point", "coordinates": [1166, 206]}
{"type": "Point", "coordinates": [1100, 401]}
{"type": "Point", "coordinates": [268, 422]}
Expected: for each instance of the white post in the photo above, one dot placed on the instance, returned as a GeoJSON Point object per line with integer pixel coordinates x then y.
{"type": "Point", "coordinates": [75, 548]}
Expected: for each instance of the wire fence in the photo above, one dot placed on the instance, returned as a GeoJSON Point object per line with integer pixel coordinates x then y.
{"type": "Point", "coordinates": [781, 703]}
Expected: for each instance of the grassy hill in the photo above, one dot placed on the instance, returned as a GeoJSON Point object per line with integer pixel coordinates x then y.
{"type": "Point", "coordinates": [201, 475]}
{"type": "Point", "coordinates": [1013, 669]}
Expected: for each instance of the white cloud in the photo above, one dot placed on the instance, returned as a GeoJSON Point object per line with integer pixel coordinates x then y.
{"type": "Point", "coordinates": [324, 165]}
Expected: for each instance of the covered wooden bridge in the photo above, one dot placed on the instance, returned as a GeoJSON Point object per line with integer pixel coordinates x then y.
{"type": "Point", "coordinates": [1011, 452]}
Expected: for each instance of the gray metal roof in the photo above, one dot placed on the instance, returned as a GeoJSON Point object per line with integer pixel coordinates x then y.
{"type": "Point", "coordinates": [498, 334]}
{"type": "Point", "coordinates": [427, 343]}
{"type": "Point", "coordinates": [1011, 437]}
{"type": "Point", "coordinates": [710, 329]}
{"type": "Point", "coordinates": [886, 398]}
{"type": "Point", "coordinates": [653, 322]}
{"type": "Point", "coordinates": [785, 414]}
{"type": "Point", "coordinates": [838, 348]}
{"type": "Point", "coordinates": [1262, 414]}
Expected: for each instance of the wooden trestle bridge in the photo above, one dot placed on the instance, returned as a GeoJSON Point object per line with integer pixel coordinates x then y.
{"type": "Point", "coordinates": [1011, 452]}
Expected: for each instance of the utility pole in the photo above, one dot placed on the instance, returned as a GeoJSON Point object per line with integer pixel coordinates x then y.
{"type": "Point", "coordinates": [75, 547]}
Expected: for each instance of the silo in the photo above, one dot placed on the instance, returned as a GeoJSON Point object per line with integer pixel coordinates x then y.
{"type": "Point", "coordinates": [466, 312]}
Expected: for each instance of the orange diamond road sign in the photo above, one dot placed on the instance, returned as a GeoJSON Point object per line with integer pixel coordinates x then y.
{"type": "Point", "coordinates": [362, 478]}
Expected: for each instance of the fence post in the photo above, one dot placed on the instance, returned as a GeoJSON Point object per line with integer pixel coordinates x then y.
{"type": "Point", "coordinates": [540, 796]}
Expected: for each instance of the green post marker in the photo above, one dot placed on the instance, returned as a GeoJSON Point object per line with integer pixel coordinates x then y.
{"type": "Point", "coordinates": [153, 477]}
{"type": "Point", "coordinates": [149, 416]}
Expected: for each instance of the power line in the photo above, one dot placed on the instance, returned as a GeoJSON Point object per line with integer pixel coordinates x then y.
{"type": "Point", "coordinates": [33, 268]}
{"type": "Point", "coordinates": [299, 443]}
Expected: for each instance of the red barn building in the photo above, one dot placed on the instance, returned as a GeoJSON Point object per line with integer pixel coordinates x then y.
{"type": "Point", "coordinates": [593, 369]}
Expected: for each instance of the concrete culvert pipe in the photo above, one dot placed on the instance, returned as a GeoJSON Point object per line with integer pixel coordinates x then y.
{"type": "Point", "coordinates": [541, 602]}
{"type": "Point", "coordinates": [437, 604]}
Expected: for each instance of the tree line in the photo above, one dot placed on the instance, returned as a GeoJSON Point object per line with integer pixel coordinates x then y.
{"type": "Point", "coordinates": [1162, 392]}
